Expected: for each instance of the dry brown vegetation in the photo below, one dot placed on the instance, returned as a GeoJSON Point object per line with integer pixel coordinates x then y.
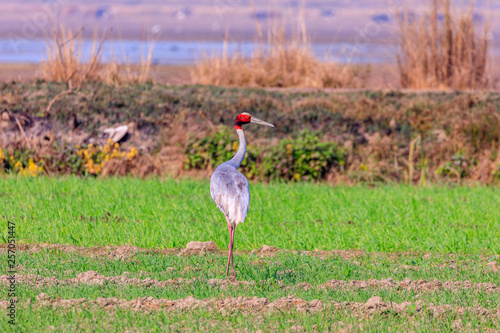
{"type": "Point", "coordinates": [443, 49]}
{"type": "Point", "coordinates": [66, 63]}
{"type": "Point", "coordinates": [282, 61]}
{"type": "Point", "coordinates": [386, 137]}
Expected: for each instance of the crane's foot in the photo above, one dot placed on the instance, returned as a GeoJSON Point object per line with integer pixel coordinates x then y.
{"type": "Point", "coordinates": [231, 276]}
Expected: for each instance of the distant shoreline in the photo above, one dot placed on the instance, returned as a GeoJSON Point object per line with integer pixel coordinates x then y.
{"type": "Point", "coordinates": [171, 52]}
{"type": "Point", "coordinates": [234, 35]}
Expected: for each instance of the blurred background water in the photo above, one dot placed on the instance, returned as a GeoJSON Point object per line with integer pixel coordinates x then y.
{"type": "Point", "coordinates": [187, 52]}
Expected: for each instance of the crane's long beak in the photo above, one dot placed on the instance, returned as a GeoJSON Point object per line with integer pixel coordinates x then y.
{"type": "Point", "coordinates": [261, 122]}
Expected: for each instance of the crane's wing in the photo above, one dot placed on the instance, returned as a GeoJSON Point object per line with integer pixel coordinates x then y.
{"type": "Point", "coordinates": [230, 192]}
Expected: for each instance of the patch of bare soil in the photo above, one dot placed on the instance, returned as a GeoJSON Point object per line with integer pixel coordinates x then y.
{"type": "Point", "coordinates": [266, 250]}
{"type": "Point", "coordinates": [407, 284]}
{"type": "Point", "coordinates": [374, 305]}
{"type": "Point", "coordinates": [202, 248]}
{"type": "Point", "coordinates": [111, 252]}
{"type": "Point", "coordinates": [192, 248]}
{"type": "Point", "coordinates": [94, 278]}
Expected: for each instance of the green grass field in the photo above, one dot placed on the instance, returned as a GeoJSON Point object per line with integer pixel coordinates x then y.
{"type": "Point", "coordinates": [444, 239]}
{"type": "Point", "coordinates": [165, 214]}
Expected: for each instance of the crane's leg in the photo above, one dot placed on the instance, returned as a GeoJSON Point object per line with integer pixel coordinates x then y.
{"type": "Point", "coordinates": [229, 227]}
{"type": "Point", "coordinates": [233, 274]}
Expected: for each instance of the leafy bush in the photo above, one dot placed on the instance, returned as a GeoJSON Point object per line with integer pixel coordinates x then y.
{"type": "Point", "coordinates": [216, 149]}
{"type": "Point", "coordinates": [304, 158]}
{"type": "Point", "coordinates": [458, 167]}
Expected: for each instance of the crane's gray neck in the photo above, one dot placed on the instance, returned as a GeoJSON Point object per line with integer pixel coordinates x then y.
{"type": "Point", "coordinates": [240, 154]}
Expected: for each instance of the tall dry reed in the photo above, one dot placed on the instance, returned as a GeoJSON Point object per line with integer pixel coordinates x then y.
{"type": "Point", "coordinates": [65, 61]}
{"type": "Point", "coordinates": [443, 49]}
{"type": "Point", "coordinates": [282, 61]}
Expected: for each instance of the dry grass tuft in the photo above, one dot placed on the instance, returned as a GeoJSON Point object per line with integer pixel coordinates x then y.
{"type": "Point", "coordinates": [141, 167]}
{"type": "Point", "coordinates": [65, 61]}
{"type": "Point", "coordinates": [283, 62]}
{"type": "Point", "coordinates": [140, 73]}
{"type": "Point", "coordinates": [442, 50]}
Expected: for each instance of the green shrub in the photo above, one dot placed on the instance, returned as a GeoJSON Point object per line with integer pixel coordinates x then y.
{"type": "Point", "coordinates": [216, 149]}
{"type": "Point", "coordinates": [456, 168]}
{"type": "Point", "coordinates": [304, 158]}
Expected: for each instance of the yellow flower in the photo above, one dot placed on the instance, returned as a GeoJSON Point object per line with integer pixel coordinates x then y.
{"type": "Point", "coordinates": [132, 154]}
{"type": "Point", "coordinates": [18, 166]}
{"type": "Point", "coordinates": [1, 154]}
{"type": "Point", "coordinates": [33, 169]}
{"type": "Point", "coordinates": [90, 166]}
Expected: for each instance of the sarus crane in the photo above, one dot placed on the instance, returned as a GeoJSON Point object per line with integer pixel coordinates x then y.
{"type": "Point", "coordinates": [229, 188]}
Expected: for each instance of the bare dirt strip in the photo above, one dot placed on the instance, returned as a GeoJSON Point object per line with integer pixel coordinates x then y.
{"type": "Point", "coordinates": [374, 305]}
{"type": "Point", "coordinates": [94, 278]}
{"type": "Point", "coordinates": [201, 248]}
{"type": "Point", "coordinates": [192, 248]}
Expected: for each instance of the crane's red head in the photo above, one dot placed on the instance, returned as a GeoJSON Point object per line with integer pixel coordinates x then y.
{"type": "Point", "coordinates": [242, 119]}
{"type": "Point", "coordinates": [246, 118]}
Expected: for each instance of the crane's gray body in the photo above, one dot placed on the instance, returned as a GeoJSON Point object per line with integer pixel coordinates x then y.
{"type": "Point", "coordinates": [229, 188]}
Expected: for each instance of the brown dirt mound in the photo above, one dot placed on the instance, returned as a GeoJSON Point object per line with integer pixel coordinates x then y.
{"type": "Point", "coordinates": [407, 284]}
{"type": "Point", "coordinates": [194, 247]}
{"type": "Point", "coordinates": [374, 305]}
{"type": "Point", "coordinates": [93, 278]}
